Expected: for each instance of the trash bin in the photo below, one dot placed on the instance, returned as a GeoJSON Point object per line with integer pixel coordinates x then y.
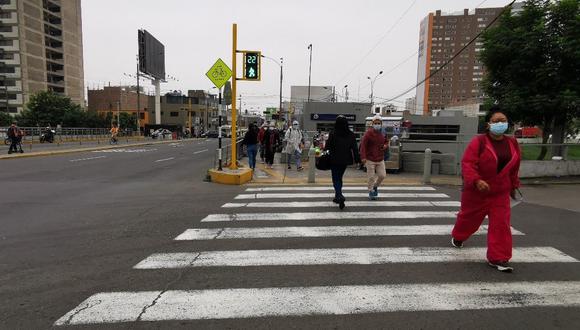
{"type": "Point", "coordinates": [435, 166]}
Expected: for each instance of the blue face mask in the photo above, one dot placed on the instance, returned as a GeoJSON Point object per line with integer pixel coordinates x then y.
{"type": "Point", "coordinates": [498, 128]}
{"type": "Point", "coordinates": [377, 127]}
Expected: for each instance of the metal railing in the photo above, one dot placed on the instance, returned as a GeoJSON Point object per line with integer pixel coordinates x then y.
{"type": "Point", "coordinates": [32, 135]}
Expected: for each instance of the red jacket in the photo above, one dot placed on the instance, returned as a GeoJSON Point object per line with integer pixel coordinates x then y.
{"type": "Point", "coordinates": [371, 146]}
{"type": "Point", "coordinates": [480, 163]}
{"type": "Point", "coordinates": [261, 135]}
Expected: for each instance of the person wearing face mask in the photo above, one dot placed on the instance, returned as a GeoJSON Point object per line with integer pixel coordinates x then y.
{"type": "Point", "coordinates": [490, 167]}
{"type": "Point", "coordinates": [372, 154]}
{"type": "Point", "coordinates": [271, 141]}
{"type": "Point", "coordinates": [294, 142]}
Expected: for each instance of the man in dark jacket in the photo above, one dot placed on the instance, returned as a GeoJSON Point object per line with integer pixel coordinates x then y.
{"type": "Point", "coordinates": [343, 152]}
{"type": "Point", "coordinates": [14, 135]}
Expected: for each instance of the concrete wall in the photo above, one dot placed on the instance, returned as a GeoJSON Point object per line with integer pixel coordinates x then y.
{"type": "Point", "coordinates": [360, 110]}
{"type": "Point", "coordinates": [547, 168]}
{"type": "Point", "coordinates": [413, 162]}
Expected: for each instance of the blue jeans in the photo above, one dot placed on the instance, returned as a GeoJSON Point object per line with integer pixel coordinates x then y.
{"type": "Point", "coordinates": [252, 152]}
{"type": "Point", "coordinates": [337, 172]}
{"type": "Point", "coordinates": [297, 157]}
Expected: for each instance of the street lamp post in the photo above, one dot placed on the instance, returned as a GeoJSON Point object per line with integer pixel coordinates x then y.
{"type": "Point", "coordinates": [281, 65]}
{"type": "Point", "coordinates": [373, 89]}
{"type": "Point", "coordinates": [309, 71]}
{"type": "Point", "coordinates": [345, 93]}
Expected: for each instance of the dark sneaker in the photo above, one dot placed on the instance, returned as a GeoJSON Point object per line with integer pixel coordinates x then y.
{"type": "Point", "coordinates": [341, 204]}
{"type": "Point", "coordinates": [372, 196]}
{"type": "Point", "coordinates": [501, 266]}
{"type": "Point", "coordinates": [300, 169]}
{"type": "Point", "coordinates": [376, 191]}
{"type": "Point", "coordinates": [456, 243]}
{"type": "Point", "coordinates": [289, 167]}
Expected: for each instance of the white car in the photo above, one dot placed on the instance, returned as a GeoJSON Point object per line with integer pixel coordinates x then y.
{"type": "Point", "coordinates": [161, 133]}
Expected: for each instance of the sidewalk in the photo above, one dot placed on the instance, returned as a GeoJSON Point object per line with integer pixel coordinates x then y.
{"type": "Point", "coordinates": [281, 175]}
{"type": "Point", "coordinates": [69, 148]}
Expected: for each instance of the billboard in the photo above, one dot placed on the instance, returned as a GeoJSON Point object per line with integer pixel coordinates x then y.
{"type": "Point", "coordinates": [151, 55]}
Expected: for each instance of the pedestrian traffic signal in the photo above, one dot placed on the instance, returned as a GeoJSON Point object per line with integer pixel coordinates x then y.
{"type": "Point", "coordinates": [252, 61]}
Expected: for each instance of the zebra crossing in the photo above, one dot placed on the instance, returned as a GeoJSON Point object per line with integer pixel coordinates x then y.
{"type": "Point", "coordinates": [406, 212]}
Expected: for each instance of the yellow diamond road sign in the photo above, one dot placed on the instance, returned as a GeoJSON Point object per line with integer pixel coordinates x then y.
{"type": "Point", "coordinates": [219, 73]}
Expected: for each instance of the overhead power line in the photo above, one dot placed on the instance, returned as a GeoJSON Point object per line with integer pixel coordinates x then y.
{"type": "Point", "coordinates": [377, 44]}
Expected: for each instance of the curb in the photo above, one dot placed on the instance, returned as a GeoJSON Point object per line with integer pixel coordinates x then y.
{"type": "Point", "coordinates": [72, 151]}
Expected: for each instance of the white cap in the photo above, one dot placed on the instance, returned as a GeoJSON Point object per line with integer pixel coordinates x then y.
{"type": "Point", "coordinates": [377, 117]}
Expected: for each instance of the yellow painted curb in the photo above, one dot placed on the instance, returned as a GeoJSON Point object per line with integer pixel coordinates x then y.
{"type": "Point", "coordinates": [237, 177]}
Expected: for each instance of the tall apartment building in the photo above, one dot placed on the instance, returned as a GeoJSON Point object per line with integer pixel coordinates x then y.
{"type": "Point", "coordinates": [440, 37]}
{"type": "Point", "coordinates": [41, 49]}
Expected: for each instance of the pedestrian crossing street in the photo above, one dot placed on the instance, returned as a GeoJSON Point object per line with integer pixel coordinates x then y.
{"type": "Point", "coordinates": [260, 213]}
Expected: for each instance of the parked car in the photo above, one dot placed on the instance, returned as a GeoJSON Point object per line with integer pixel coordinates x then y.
{"type": "Point", "coordinates": [161, 133]}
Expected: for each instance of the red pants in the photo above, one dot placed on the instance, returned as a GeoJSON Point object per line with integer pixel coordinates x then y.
{"type": "Point", "coordinates": [474, 208]}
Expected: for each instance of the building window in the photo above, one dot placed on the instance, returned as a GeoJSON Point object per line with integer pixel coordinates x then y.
{"type": "Point", "coordinates": [5, 28]}
{"type": "Point", "coordinates": [6, 42]}
{"type": "Point", "coordinates": [174, 114]}
{"type": "Point", "coordinates": [7, 69]}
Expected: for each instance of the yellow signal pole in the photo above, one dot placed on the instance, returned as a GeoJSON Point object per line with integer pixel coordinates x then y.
{"type": "Point", "coordinates": [234, 163]}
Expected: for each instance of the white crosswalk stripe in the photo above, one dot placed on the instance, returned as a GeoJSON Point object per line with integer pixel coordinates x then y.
{"type": "Point", "coordinates": [356, 256]}
{"type": "Point", "coordinates": [350, 203]}
{"type": "Point", "coordinates": [291, 196]}
{"type": "Point", "coordinates": [114, 307]}
{"type": "Point", "coordinates": [345, 188]}
{"type": "Point", "coordinates": [426, 211]}
{"type": "Point", "coordinates": [325, 231]}
{"type": "Point", "coordinates": [309, 216]}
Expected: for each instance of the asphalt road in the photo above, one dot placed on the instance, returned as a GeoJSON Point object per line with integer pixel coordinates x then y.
{"type": "Point", "coordinates": [76, 225]}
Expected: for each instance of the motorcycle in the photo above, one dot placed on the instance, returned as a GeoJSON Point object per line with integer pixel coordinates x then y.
{"type": "Point", "coordinates": [47, 136]}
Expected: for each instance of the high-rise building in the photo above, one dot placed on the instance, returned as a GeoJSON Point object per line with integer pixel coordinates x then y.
{"type": "Point", "coordinates": [41, 49]}
{"type": "Point", "coordinates": [440, 37]}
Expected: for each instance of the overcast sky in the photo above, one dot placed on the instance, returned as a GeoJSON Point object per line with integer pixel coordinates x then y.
{"type": "Point", "coordinates": [351, 40]}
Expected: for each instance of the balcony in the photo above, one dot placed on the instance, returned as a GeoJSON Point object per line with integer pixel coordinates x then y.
{"type": "Point", "coordinates": [10, 7]}
{"type": "Point", "coordinates": [17, 74]}
{"type": "Point", "coordinates": [52, 43]}
{"type": "Point", "coordinates": [53, 32]}
{"type": "Point", "coordinates": [10, 58]}
{"type": "Point", "coordinates": [51, 7]}
{"type": "Point", "coordinates": [13, 17]}
{"type": "Point", "coordinates": [10, 31]}
{"type": "Point", "coordinates": [52, 19]}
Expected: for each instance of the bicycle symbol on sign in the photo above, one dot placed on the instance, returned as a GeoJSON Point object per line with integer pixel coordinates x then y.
{"type": "Point", "coordinates": [219, 73]}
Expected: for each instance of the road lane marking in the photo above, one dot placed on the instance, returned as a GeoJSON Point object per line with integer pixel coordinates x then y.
{"type": "Point", "coordinates": [290, 196]}
{"type": "Point", "coordinates": [323, 231]}
{"type": "Point", "coordinates": [352, 204]}
{"type": "Point", "coordinates": [347, 188]}
{"type": "Point", "coordinates": [89, 158]}
{"type": "Point", "coordinates": [116, 307]}
{"type": "Point", "coordinates": [302, 216]}
{"type": "Point", "coordinates": [200, 151]}
{"type": "Point", "coordinates": [164, 160]}
{"type": "Point", "coordinates": [124, 150]}
{"type": "Point", "coordinates": [341, 256]}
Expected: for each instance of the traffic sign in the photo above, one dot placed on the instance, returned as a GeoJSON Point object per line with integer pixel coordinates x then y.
{"type": "Point", "coordinates": [219, 73]}
{"type": "Point", "coordinates": [252, 60]}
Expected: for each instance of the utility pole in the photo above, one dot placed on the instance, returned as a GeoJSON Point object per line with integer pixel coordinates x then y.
{"type": "Point", "coordinates": [281, 74]}
{"type": "Point", "coordinates": [309, 71]}
{"type": "Point", "coordinates": [189, 115]}
{"type": "Point", "coordinates": [138, 99]}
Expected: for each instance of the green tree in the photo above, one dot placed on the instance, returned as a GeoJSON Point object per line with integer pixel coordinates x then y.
{"type": "Point", "coordinates": [5, 119]}
{"type": "Point", "coordinates": [46, 108]}
{"type": "Point", "coordinates": [533, 65]}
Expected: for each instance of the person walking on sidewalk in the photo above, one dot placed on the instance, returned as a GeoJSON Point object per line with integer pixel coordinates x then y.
{"type": "Point", "coordinates": [294, 141]}
{"type": "Point", "coordinates": [261, 142]}
{"type": "Point", "coordinates": [490, 169]}
{"type": "Point", "coordinates": [372, 153]}
{"type": "Point", "coordinates": [343, 151]}
{"type": "Point", "coordinates": [271, 141]}
{"type": "Point", "coordinates": [15, 136]}
{"type": "Point", "coordinates": [251, 142]}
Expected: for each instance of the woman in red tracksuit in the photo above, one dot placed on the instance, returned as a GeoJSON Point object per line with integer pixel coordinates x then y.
{"type": "Point", "coordinates": [490, 168]}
